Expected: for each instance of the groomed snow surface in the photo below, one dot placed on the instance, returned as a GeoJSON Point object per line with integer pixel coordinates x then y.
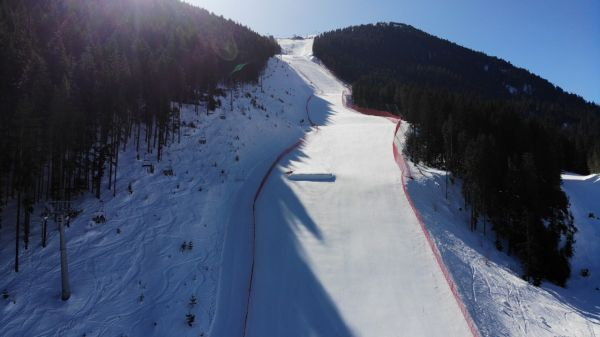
{"type": "Point", "coordinates": [346, 258]}
{"type": "Point", "coordinates": [331, 247]}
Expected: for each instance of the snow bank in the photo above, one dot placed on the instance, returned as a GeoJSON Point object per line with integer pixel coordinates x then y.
{"type": "Point", "coordinates": [593, 178]}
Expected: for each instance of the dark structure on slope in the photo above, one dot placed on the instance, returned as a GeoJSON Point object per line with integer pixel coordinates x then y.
{"type": "Point", "coordinates": [505, 132]}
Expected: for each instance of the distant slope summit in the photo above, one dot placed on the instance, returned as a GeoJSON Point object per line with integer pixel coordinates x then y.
{"type": "Point", "coordinates": [412, 55]}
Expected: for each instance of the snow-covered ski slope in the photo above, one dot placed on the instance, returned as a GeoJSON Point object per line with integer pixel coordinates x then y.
{"type": "Point", "coordinates": [344, 257]}
{"type": "Point", "coordinates": [338, 251]}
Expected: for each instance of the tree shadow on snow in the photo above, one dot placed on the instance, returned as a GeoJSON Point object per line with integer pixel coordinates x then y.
{"type": "Point", "coordinates": [288, 299]}
{"type": "Point", "coordinates": [319, 110]}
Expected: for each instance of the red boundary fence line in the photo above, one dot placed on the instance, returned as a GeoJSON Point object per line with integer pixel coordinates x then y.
{"type": "Point", "coordinates": [367, 111]}
{"type": "Point", "coordinates": [308, 114]}
{"type": "Point", "coordinates": [261, 187]}
{"type": "Point", "coordinates": [406, 173]}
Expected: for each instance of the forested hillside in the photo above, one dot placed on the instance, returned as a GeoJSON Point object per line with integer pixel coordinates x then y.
{"type": "Point", "coordinates": [505, 132]}
{"type": "Point", "coordinates": [79, 79]}
{"type": "Point", "coordinates": [384, 62]}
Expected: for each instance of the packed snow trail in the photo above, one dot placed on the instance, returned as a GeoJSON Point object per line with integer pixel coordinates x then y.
{"type": "Point", "coordinates": [345, 257]}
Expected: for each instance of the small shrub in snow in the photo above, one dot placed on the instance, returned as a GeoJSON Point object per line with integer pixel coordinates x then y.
{"type": "Point", "coordinates": [148, 166]}
{"type": "Point", "coordinates": [193, 301]}
{"type": "Point", "coordinates": [591, 215]}
{"type": "Point", "coordinates": [99, 218]}
{"type": "Point", "coordinates": [186, 246]}
{"type": "Point", "coordinates": [73, 213]}
{"type": "Point", "coordinates": [190, 319]}
{"type": "Point", "coordinates": [585, 272]}
{"type": "Point", "coordinates": [5, 294]}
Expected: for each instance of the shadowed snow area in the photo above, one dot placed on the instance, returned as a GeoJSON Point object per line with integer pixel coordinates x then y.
{"type": "Point", "coordinates": [345, 258]}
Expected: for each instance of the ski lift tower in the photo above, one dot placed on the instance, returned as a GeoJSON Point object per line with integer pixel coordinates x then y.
{"type": "Point", "coordinates": [60, 210]}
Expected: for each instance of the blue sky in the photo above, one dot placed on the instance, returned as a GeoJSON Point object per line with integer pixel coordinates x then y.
{"type": "Point", "coordinates": [556, 39]}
